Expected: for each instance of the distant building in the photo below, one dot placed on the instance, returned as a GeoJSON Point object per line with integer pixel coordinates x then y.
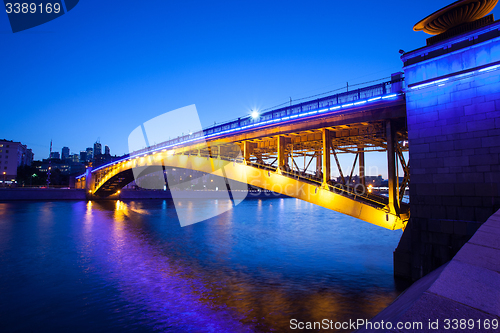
{"type": "Point", "coordinates": [55, 165]}
{"type": "Point", "coordinates": [55, 155]}
{"type": "Point", "coordinates": [83, 156]}
{"type": "Point", "coordinates": [75, 158]}
{"type": "Point", "coordinates": [100, 158]}
{"type": "Point", "coordinates": [90, 154]}
{"type": "Point", "coordinates": [65, 153]}
{"type": "Point", "coordinates": [12, 155]}
{"type": "Point", "coordinates": [29, 157]}
{"type": "Point", "coordinates": [67, 167]}
{"type": "Point", "coordinates": [97, 149]}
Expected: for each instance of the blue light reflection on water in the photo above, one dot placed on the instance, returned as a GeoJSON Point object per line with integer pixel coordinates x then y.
{"type": "Point", "coordinates": [122, 266]}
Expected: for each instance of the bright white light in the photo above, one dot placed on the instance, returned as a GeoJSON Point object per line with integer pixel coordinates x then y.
{"type": "Point", "coordinates": [255, 114]}
{"type": "Point", "coordinates": [489, 68]}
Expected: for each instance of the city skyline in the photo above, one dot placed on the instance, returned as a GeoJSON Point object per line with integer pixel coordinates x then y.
{"type": "Point", "coordinates": [66, 152]}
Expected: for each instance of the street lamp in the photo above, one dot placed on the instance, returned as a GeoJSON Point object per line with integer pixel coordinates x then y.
{"type": "Point", "coordinates": [4, 175]}
{"type": "Point", "coordinates": [31, 178]}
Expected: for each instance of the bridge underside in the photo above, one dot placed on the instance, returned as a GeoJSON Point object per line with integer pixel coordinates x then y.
{"type": "Point", "coordinates": [270, 159]}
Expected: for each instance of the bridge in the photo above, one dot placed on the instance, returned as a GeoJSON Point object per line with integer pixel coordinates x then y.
{"type": "Point", "coordinates": [447, 108]}
{"type": "Point", "coordinates": [265, 150]}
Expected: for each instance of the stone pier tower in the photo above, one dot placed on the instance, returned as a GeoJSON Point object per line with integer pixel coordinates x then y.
{"type": "Point", "coordinates": [453, 110]}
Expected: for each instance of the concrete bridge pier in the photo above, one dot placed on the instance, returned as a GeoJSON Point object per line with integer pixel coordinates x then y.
{"type": "Point", "coordinates": [88, 183]}
{"type": "Point", "coordinates": [453, 117]}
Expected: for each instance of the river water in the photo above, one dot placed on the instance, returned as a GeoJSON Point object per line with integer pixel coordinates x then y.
{"type": "Point", "coordinates": [128, 266]}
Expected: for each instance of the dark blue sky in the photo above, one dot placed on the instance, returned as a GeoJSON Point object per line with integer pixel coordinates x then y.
{"type": "Point", "coordinates": [101, 70]}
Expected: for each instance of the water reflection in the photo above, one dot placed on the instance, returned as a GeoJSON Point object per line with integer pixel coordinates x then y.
{"type": "Point", "coordinates": [131, 266]}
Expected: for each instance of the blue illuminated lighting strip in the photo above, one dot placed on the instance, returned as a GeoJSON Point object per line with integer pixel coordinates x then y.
{"type": "Point", "coordinates": [429, 83]}
{"type": "Point", "coordinates": [441, 83]}
{"type": "Point", "coordinates": [259, 124]}
{"type": "Point", "coordinates": [491, 68]}
{"type": "Point", "coordinates": [465, 74]}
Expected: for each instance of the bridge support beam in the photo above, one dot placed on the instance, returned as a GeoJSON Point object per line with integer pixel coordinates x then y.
{"type": "Point", "coordinates": [361, 153]}
{"type": "Point", "coordinates": [214, 151]}
{"type": "Point", "coordinates": [391, 168]}
{"type": "Point", "coordinates": [319, 164]}
{"type": "Point", "coordinates": [326, 157]}
{"type": "Point", "coordinates": [282, 157]}
{"type": "Point", "coordinates": [247, 150]}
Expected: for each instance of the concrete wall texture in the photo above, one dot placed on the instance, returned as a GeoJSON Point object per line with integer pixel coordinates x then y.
{"type": "Point", "coordinates": [454, 140]}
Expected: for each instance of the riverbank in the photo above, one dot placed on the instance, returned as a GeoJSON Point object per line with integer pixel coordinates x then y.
{"type": "Point", "coordinates": [49, 194]}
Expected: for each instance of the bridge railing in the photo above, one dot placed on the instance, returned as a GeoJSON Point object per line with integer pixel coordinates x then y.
{"type": "Point", "coordinates": [388, 87]}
